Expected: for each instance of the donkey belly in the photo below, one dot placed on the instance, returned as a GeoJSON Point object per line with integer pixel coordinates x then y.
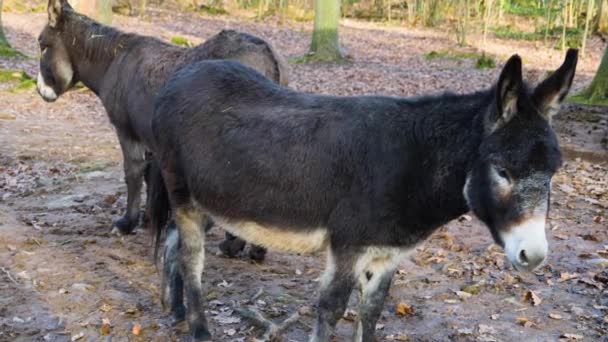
{"type": "Point", "coordinates": [283, 239]}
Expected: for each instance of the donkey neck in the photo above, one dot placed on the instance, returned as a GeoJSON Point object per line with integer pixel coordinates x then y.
{"type": "Point", "coordinates": [446, 131]}
{"type": "Point", "coordinates": [93, 47]}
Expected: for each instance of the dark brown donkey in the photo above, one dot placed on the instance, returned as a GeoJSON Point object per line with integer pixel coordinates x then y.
{"type": "Point", "coordinates": [126, 70]}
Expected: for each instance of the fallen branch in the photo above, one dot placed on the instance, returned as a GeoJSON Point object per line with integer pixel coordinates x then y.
{"type": "Point", "coordinates": [272, 331]}
{"type": "Point", "coordinates": [8, 274]}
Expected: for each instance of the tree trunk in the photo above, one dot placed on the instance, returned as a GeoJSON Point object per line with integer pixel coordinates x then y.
{"type": "Point", "coordinates": [3, 40]}
{"type": "Point", "coordinates": [325, 46]}
{"type": "Point", "coordinates": [100, 10]}
{"type": "Point", "coordinates": [586, 32]}
{"type": "Point", "coordinates": [486, 19]}
{"type": "Point", "coordinates": [602, 17]}
{"type": "Point", "coordinates": [598, 89]}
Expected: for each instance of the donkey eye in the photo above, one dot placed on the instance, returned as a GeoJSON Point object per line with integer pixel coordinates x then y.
{"type": "Point", "coordinates": [503, 173]}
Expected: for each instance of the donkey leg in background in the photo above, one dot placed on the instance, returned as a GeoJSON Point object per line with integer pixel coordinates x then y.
{"type": "Point", "coordinates": [232, 245]}
{"type": "Point", "coordinates": [375, 280]}
{"type": "Point", "coordinates": [335, 289]}
{"type": "Point", "coordinates": [192, 259]}
{"type": "Point", "coordinates": [172, 284]}
{"type": "Point", "coordinates": [134, 166]}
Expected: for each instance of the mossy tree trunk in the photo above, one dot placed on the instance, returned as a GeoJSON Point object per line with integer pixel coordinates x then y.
{"type": "Point", "coordinates": [597, 92]}
{"type": "Point", "coordinates": [325, 45]}
{"type": "Point", "coordinates": [100, 10]}
{"type": "Point", "coordinates": [3, 40]}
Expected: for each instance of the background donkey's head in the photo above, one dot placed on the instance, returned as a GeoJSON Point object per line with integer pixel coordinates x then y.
{"type": "Point", "coordinates": [57, 73]}
{"type": "Point", "coordinates": [509, 185]}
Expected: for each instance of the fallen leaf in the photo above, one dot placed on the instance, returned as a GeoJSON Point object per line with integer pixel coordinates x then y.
{"type": "Point", "coordinates": [465, 331]}
{"type": "Point", "coordinates": [136, 329]}
{"type": "Point", "coordinates": [105, 307]}
{"type": "Point", "coordinates": [554, 316]}
{"type": "Point", "coordinates": [463, 295]}
{"type": "Point", "coordinates": [105, 327]}
{"type": "Point", "coordinates": [404, 309]}
{"type": "Point", "coordinates": [531, 297]}
{"type": "Point", "coordinates": [571, 337]}
{"type": "Point", "coordinates": [77, 336]}
{"type": "Point", "coordinates": [524, 321]}
{"type": "Point", "coordinates": [486, 329]}
{"type": "Point", "coordinates": [564, 276]}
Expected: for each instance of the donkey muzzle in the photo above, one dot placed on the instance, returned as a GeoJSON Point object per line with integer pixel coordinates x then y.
{"type": "Point", "coordinates": [526, 244]}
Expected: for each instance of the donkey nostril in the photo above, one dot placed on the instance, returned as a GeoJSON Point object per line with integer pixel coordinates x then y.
{"type": "Point", "coordinates": [523, 259]}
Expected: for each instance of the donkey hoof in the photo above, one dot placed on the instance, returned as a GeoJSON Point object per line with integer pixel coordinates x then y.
{"type": "Point", "coordinates": [178, 317]}
{"type": "Point", "coordinates": [201, 334]}
{"type": "Point", "coordinates": [257, 253]}
{"type": "Point", "coordinates": [125, 226]}
{"type": "Point", "coordinates": [231, 248]}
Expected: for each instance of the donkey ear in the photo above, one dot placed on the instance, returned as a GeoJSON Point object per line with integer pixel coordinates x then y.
{"type": "Point", "coordinates": [54, 9]}
{"type": "Point", "coordinates": [550, 93]}
{"type": "Point", "coordinates": [508, 89]}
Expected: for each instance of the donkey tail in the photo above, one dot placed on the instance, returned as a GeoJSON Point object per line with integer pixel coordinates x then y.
{"type": "Point", "coordinates": [159, 204]}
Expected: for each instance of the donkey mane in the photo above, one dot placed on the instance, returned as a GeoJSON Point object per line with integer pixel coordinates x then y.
{"type": "Point", "coordinates": [97, 42]}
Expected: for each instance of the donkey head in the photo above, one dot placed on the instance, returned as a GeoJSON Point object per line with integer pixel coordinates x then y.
{"type": "Point", "coordinates": [509, 185]}
{"type": "Point", "coordinates": [56, 74]}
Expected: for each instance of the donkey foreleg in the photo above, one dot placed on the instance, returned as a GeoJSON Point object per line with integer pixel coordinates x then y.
{"type": "Point", "coordinates": [335, 289]}
{"type": "Point", "coordinates": [374, 268]}
{"type": "Point", "coordinates": [192, 259]}
{"type": "Point", "coordinates": [134, 166]}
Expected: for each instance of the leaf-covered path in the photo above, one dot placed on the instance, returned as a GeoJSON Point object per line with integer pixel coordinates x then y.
{"type": "Point", "coordinates": [64, 277]}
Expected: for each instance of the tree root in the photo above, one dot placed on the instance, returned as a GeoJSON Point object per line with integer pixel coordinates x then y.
{"type": "Point", "coordinates": [272, 331]}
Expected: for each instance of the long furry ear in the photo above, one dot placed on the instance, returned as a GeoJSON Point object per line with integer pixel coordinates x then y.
{"type": "Point", "coordinates": [550, 93]}
{"type": "Point", "coordinates": [54, 10]}
{"type": "Point", "coordinates": [508, 89]}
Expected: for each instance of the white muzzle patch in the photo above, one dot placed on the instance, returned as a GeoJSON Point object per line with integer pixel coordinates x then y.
{"type": "Point", "coordinates": [47, 93]}
{"type": "Point", "coordinates": [526, 244]}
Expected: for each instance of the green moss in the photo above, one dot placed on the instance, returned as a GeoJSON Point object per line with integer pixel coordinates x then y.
{"type": "Point", "coordinates": [181, 41]}
{"type": "Point", "coordinates": [485, 62]}
{"type": "Point", "coordinates": [210, 10]}
{"type": "Point", "coordinates": [472, 289]}
{"type": "Point", "coordinates": [96, 165]}
{"type": "Point", "coordinates": [7, 51]}
{"type": "Point", "coordinates": [584, 99]}
{"type": "Point", "coordinates": [18, 79]}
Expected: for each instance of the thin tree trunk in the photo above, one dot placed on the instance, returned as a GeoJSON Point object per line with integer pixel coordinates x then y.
{"type": "Point", "coordinates": [602, 21]}
{"type": "Point", "coordinates": [564, 24]}
{"type": "Point", "coordinates": [325, 45]}
{"type": "Point", "coordinates": [100, 10]}
{"type": "Point", "coordinates": [3, 40]}
{"type": "Point", "coordinates": [486, 19]}
{"type": "Point", "coordinates": [586, 32]}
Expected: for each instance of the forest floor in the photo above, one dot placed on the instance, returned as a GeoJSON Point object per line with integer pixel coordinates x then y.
{"type": "Point", "coordinates": [64, 277]}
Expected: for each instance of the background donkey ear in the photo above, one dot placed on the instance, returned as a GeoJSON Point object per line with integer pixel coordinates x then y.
{"type": "Point", "coordinates": [550, 93]}
{"type": "Point", "coordinates": [508, 89]}
{"type": "Point", "coordinates": [54, 9]}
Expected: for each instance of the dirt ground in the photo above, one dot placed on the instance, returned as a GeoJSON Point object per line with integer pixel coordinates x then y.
{"type": "Point", "coordinates": [64, 277]}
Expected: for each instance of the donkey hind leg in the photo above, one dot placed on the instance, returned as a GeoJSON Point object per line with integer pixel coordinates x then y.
{"type": "Point", "coordinates": [134, 166]}
{"type": "Point", "coordinates": [172, 284]}
{"type": "Point", "coordinates": [335, 289]}
{"type": "Point", "coordinates": [192, 259]}
{"type": "Point", "coordinates": [375, 269]}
